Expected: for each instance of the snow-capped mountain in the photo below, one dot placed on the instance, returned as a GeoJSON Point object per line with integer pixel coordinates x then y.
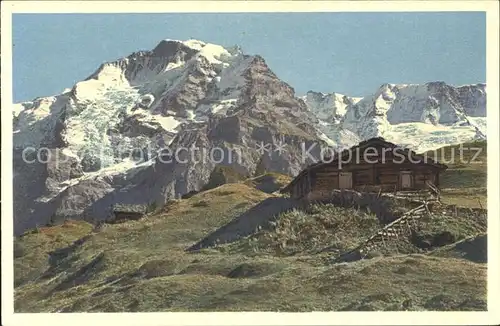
{"type": "Point", "coordinates": [329, 107]}
{"type": "Point", "coordinates": [101, 138]}
{"type": "Point", "coordinates": [421, 116]}
{"type": "Point", "coordinates": [330, 110]}
{"type": "Point", "coordinates": [128, 103]}
{"type": "Point", "coordinates": [98, 143]}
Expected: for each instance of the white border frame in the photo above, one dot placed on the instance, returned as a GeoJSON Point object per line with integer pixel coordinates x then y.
{"type": "Point", "coordinates": [491, 7]}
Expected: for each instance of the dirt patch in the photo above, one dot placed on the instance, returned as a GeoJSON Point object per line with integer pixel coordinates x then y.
{"type": "Point", "coordinates": [378, 302]}
{"type": "Point", "coordinates": [201, 203]}
{"type": "Point", "coordinates": [83, 274]}
{"type": "Point", "coordinates": [269, 182]}
{"type": "Point", "coordinates": [157, 268]}
{"type": "Point", "coordinates": [217, 268]}
{"type": "Point", "coordinates": [474, 249]}
{"type": "Point", "coordinates": [251, 270]}
{"type": "Point", "coordinates": [428, 241]}
{"type": "Point", "coordinates": [404, 270]}
{"type": "Point", "coordinates": [441, 302]}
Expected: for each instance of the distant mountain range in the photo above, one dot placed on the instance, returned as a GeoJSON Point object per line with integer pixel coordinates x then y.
{"type": "Point", "coordinates": [422, 117]}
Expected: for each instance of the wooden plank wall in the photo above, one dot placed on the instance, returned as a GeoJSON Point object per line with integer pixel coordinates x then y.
{"type": "Point", "coordinates": [382, 176]}
{"type": "Point", "coordinates": [385, 177]}
{"type": "Point", "coordinates": [303, 186]}
{"type": "Point", "coordinates": [326, 178]}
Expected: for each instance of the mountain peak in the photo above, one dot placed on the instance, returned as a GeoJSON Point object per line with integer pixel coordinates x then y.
{"type": "Point", "coordinates": [168, 48]}
{"type": "Point", "coordinates": [214, 53]}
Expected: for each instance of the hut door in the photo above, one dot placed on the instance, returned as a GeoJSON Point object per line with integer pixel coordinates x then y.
{"type": "Point", "coordinates": [345, 180]}
{"type": "Point", "coordinates": [405, 179]}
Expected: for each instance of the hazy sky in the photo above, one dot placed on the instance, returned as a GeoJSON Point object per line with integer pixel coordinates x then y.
{"type": "Point", "coordinates": [350, 53]}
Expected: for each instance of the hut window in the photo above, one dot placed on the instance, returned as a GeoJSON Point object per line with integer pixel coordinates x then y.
{"type": "Point", "coordinates": [345, 180]}
{"type": "Point", "coordinates": [406, 181]}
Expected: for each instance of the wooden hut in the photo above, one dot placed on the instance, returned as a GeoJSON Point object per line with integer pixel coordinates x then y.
{"type": "Point", "coordinates": [125, 212]}
{"type": "Point", "coordinates": [372, 165]}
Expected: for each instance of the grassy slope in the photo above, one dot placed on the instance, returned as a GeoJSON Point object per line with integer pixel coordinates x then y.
{"type": "Point", "coordinates": [142, 266]}
{"type": "Point", "coordinates": [31, 250]}
{"type": "Point", "coordinates": [464, 182]}
{"type": "Point", "coordinates": [339, 229]}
